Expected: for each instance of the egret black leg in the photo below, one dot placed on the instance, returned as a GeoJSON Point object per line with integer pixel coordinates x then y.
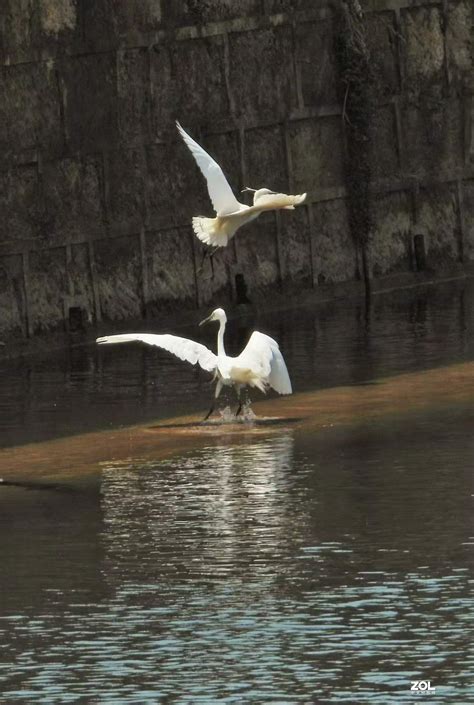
{"type": "Point", "coordinates": [209, 254]}
{"type": "Point", "coordinates": [211, 259]}
{"type": "Point", "coordinates": [209, 413]}
{"type": "Point", "coordinates": [239, 397]}
{"type": "Point", "coordinates": [217, 392]}
{"type": "Point", "coordinates": [204, 255]}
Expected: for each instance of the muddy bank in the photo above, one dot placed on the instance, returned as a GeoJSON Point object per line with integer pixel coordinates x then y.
{"type": "Point", "coordinates": [79, 459]}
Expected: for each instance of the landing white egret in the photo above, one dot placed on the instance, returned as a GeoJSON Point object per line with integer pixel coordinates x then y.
{"type": "Point", "coordinates": [260, 364]}
{"type": "Point", "coordinates": [230, 213]}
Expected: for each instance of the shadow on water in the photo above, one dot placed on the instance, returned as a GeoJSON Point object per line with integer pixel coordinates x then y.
{"type": "Point", "coordinates": [50, 553]}
{"type": "Point", "coordinates": [236, 422]}
{"type": "Point", "coordinates": [40, 486]}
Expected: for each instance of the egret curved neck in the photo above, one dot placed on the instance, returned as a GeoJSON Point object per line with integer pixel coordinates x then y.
{"type": "Point", "coordinates": [220, 339]}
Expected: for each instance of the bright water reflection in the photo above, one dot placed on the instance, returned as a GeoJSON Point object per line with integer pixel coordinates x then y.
{"type": "Point", "coordinates": [288, 570]}
{"type": "Point", "coordinates": [285, 568]}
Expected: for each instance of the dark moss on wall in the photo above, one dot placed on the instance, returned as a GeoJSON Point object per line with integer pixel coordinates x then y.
{"type": "Point", "coordinates": [357, 95]}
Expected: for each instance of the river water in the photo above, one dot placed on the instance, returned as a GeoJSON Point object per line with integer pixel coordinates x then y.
{"type": "Point", "coordinates": [292, 566]}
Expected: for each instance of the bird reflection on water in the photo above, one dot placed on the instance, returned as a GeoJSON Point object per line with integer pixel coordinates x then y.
{"type": "Point", "coordinates": [288, 565]}
{"type": "Point", "coordinates": [211, 494]}
{"type": "Point", "coordinates": [296, 564]}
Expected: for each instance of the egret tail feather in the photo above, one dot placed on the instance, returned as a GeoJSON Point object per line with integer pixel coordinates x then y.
{"type": "Point", "coordinates": [206, 230]}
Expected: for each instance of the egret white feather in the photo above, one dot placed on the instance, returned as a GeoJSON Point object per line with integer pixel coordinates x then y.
{"type": "Point", "coordinates": [183, 348]}
{"type": "Point", "coordinates": [231, 214]}
{"type": "Point", "coordinates": [262, 355]}
{"type": "Point", "coordinates": [260, 364]}
{"type": "Point", "coordinates": [220, 192]}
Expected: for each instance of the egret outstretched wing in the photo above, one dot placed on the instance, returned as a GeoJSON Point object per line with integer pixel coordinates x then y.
{"type": "Point", "coordinates": [262, 356]}
{"type": "Point", "coordinates": [276, 201]}
{"type": "Point", "coordinates": [185, 349]}
{"type": "Point", "coordinates": [220, 192]}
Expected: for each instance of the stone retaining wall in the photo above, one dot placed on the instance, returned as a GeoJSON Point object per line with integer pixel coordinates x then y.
{"type": "Point", "coordinates": [97, 190]}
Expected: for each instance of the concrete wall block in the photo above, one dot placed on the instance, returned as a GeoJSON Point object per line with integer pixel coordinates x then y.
{"type": "Point", "coordinates": [170, 264]}
{"type": "Point", "coordinates": [384, 149]}
{"type": "Point", "coordinates": [188, 83]}
{"type": "Point", "coordinates": [199, 12]}
{"type": "Point", "coordinates": [99, 23]}
{"type": "Point", "coordinates": [257, 256]}
{"type": "Point", "coordinates": [334, 251]}
{"type": "Point", "coordinates": [74, 208]}
{"type": "Point", "coordinates": [133, 96]}
{"type": "Point", "coordinates": [295, 249]}
{"type": "Point", "coordinates": [126, 187]}
{"type": "Point", "coordinates": [265, 158]}
{"type": "Point", "coordinates": [276, 6]}
{"type": "Point", "coordinates": [11, 295]}
{"type": "Point", "coordinates": [110, 22]}
{"type": "Point", "coordinates": [389, 247]}
{"type": "Point", "coordinates": [468, 199]}
{"type": "Point", "coordinates": [266, 86]}
{"type": "Point", "coordinates": [438, 221]}
{"type": "Point", "coordinates": [60, 27]}
{"type": "Point", "coordinates": [34, 29]}
{"type": "Point", "coordinates": [460, 20]}
{"type": "Point", "coordinates": [58, 16]}
{"type": "Point", "coordinates": [134, 16]}
{"type": "Point", "coordinates": [316, 153]}
{"type": "Point", "coordinates": [423, 49]}
{"type": "Point", "coordinates": [38, 29]}
{"type": "Point", "coordinates": [102, 88]}
{"type": "Point", "coordinates": [433, 137]}
{"type": "Point", "coordinates": [47, 288]}
{"type": "Point", "coordinates": [382, 39]}
{"type": "Point", "coordinates": [30, 114]}
{"type": "Point", "coordinates": [119, 277]}
{"type": "Point", "coordinates": [20, 24]}
{"type": "Point", "coordinates": [315, 57]}
{"type": "Point", "coordinates": [90, 100]}
{"type": "Point", "coordinates": [469, 131]}
{"type": "Point", "coordinates": [20, 207]}
{"type": "Point", "coordinates": [80, 275]}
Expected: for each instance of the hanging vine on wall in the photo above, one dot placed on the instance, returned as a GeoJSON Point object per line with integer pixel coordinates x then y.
{"type": "Point", "coordinates": [357, 96]}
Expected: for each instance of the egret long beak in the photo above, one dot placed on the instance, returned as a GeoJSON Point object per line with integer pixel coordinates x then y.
{"type": "Point", "coordinates": [247, 188]}
{"type": "Point", "coordinates": [206, 320]}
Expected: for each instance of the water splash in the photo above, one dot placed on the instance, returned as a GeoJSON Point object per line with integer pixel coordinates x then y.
{"type": "Point", "coordinates": [247, 413]}
{"type": "Point", "coordinates": [227, 415]}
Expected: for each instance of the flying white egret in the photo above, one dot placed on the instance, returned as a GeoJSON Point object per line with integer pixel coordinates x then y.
{"type": "Point", "coordinates": [260, 364]}
{"type": "Point", "coordinates": [231, 214]}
